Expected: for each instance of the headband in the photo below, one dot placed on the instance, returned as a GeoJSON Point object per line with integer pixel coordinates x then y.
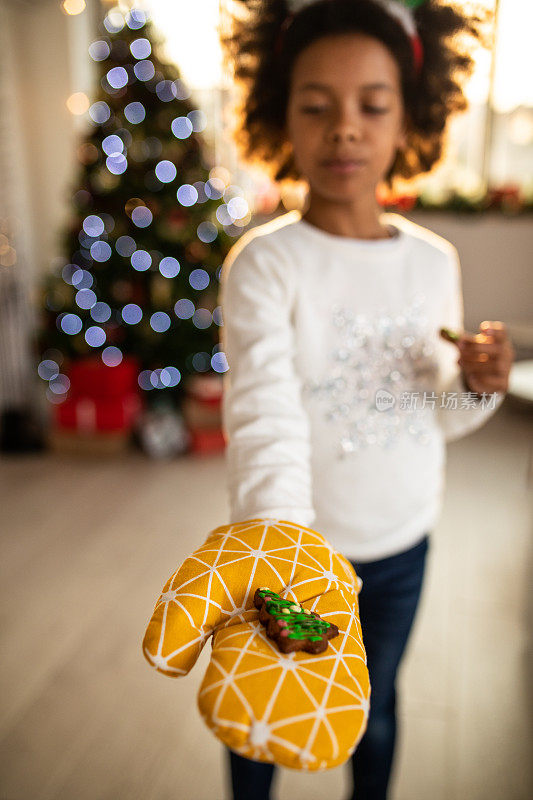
{"type": "Point", "coordinates": [401, 10]}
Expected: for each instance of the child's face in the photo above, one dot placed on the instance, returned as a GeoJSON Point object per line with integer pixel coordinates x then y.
{"type": "Point", "coordinates": [346, 118]}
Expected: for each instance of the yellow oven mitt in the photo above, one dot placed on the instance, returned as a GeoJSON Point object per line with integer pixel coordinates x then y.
{"type": "Point", "coordinates": [300, 709]}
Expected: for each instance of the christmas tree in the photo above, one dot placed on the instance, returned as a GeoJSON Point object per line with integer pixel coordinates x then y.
{"type": "Point", "coordinates": [152, 220]}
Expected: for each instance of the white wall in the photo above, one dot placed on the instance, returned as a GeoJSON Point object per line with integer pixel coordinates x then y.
{"type": "Point", "coordinates": [49, 51]}
{"type": "Point", "coordinates": [496, 254]}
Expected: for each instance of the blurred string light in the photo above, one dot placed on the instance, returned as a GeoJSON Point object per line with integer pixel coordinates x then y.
{"type": "Point", "coordinates": [60, 384]}
{"type": "Point", "coordinates": [207, 232]}
{"type": "Point", "coordinates": [73, 7]}
{"type": "Point", "coordinates": [163, 378]}
{"type": "Point", "coordinates": [109, 222]}
{"type": "Point", "coordinates": [201, 362]}
{"type": "Point", "coordinates": [219, 362]}
{"type": "Point", "coordinates": [112, 145]}
{"type": "Point", "coordinates": [8, 254]}
{"type": "Point", "coordinates": [169, 267]}
{"type": "Point", "coordinates": [93, 225]}
{"type": "Point", "coordinates": [48, 369]}
{"type": "Point", "coordinates": [184, 308]}
{"type": "Point", "coordinates": [165, 171]}
{"type": "Point", "coordinates": [141, 48]}
{"type": "Point", "coordinates": [99, 112]}
{"type": "Point", "coordinates": [100, 312]}
{"type": "Point", "coordinates": [164, 90]}
{"type": "Point", "coordinates": [117, 77]}
{"type": "Point", "coordinates": [69, 271]}
{"type": "Point", "coordinates": [132, 203]}
{"type": "Point", "coordinates": [187, 195]}
{"type": "Point", "coordinates": [141, 260]}
{"type": "Point", "coordinates": [199, 279]}
{"type": "Point", "coordinates": [101, 251]}
{"type": "Point", "coordinates": [82, 279]}
{"type": "Point", "coordinates": [70, 323]}
{"type": "Point", "coordinates": [125, 246]}
{"type": "Point", "coordinates": [95, 336]}
{"type": "Point", "coordinates": [202, 318]}
{"type": "Point", "coordinates": [135, 113]}
{"type": "Point", "coordinates": [116, 164]}
{"type": "Point", "coordinates": [160, 322]}
{"type": "Point", "coordinates": [85, 299]}
{"type": "Point", "coordinates": [141, 216]}
{"type": "Point", "coordinates": [132, 314]}
{"type": "Point", "coordinates": [181, 127]}
{"type": "Point", "coordinates": [114, 21]}
{"type": "Point", "coordinates": [111, 356]}
{"type": "Point", "coordinates": [99, 50]}
{"type": "Point", "coordinates": [78, 103]}
{"type": "Point", "coordinates": [144, 70]}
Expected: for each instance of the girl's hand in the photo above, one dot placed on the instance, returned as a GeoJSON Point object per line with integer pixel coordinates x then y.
{"type": "Point", "coordinates": [486, 357]}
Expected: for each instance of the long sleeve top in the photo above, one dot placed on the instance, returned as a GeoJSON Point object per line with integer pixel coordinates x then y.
{"type": "Point", "coordinates": [340, 394]}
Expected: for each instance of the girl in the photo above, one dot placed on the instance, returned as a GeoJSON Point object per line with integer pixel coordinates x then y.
{"type": "Point", "coordinates": [341, 392]}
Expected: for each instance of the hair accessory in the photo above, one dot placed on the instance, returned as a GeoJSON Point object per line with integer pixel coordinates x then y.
{"type": "Point", "coordinates": [402, 10]}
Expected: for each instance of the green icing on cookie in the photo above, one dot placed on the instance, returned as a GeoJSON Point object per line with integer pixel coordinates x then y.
{"type": "Point", "coordinates": [299, 624]}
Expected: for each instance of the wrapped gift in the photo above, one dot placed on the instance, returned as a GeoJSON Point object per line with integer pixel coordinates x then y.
{"type": "Point", "coordinates": [90, 377]}
{"type": "Point", "coordinates": [205, 388]}
{"type": "Point", "coordinates": [207, 440]}
{"type": "Point", "coordinates": [88, 414]}
{"type": "Point", "coordinates": [70, 442]}
{"type": "Point", "coordinates": [201, 414]}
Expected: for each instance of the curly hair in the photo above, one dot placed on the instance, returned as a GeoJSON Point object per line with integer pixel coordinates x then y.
{"type": "Point", "coordinates": [430, 98]}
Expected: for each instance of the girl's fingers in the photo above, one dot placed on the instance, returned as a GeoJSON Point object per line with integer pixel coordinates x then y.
{"type": "Point", "coordinates": [489, 385]}
{"type": "Point", "coordinates": [496, 329]}
{"type": "Point", "coordinates": [494, 361]}
{"type": "Point", "coordinates": [472, 348]}
{"type": "Point", "coordinates": [487, 382]}
{"type": "Point", "coordinates": [501, 356]}
{"type": "Point", "coordinates": [475, 356]}
{"type": "Point", "coordinates": [483, 374]}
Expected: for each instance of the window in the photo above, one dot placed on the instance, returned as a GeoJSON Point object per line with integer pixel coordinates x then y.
{"type": "Point", "coordinates": [490, 144]}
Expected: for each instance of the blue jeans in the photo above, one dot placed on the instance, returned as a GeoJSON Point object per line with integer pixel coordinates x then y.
{"type": "Point", "coordinates": [387, 605]}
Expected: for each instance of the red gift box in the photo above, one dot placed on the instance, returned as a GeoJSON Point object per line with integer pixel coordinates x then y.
{"type": "Point", "coordinates": [90, 377]}
{"type": "Point", "coordinates": [205, 388]}
{"type": "Point", "coordinates": [206, 440]}
{"type": "Point", "coordinates": [87, 414]}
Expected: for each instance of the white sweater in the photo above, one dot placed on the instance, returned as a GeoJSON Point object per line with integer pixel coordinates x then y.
{"type": "Point", "coordinates": [327, 338]}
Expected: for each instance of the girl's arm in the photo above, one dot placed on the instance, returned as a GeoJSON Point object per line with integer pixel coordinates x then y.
{"type": "Point", "coordinates": [464, 416]}
{"type": "Point", "coordinates": [268, 448]}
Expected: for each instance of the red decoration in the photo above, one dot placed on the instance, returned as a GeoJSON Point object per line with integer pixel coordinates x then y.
{"type": "Point", "coordinates": [403, 202]}
{"type": "Point", "coordinates": [90, 377]}
{"type": "Point", "coordinates": [201, 410]}
{"type": "Point", "coordinates": [88, 414]}
{"type": "Point", "coordinates": [207, 440]}
{"type": "Point", "coordinates": [177, 218]}
{"type": "Point", "coordinates": [206, 387]}
{"type": "Point", "coordinates": [508, 198]}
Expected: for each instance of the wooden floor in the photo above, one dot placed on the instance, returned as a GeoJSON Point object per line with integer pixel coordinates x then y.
{"type": "Point", "coordinates": [86, 547]}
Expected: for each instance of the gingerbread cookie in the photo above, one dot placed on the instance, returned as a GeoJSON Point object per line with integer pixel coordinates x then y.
{"type": "Point", "coordinates": [290, 625]}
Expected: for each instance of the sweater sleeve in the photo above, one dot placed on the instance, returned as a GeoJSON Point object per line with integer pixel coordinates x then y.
{"type": "Point", "coordinates": [462, 412]}
{"type": "Point", "coordinates": [266, 427]}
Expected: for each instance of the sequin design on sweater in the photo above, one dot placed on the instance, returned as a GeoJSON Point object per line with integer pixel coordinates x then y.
{"type": "Point", "coordinates": [380, 363]}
